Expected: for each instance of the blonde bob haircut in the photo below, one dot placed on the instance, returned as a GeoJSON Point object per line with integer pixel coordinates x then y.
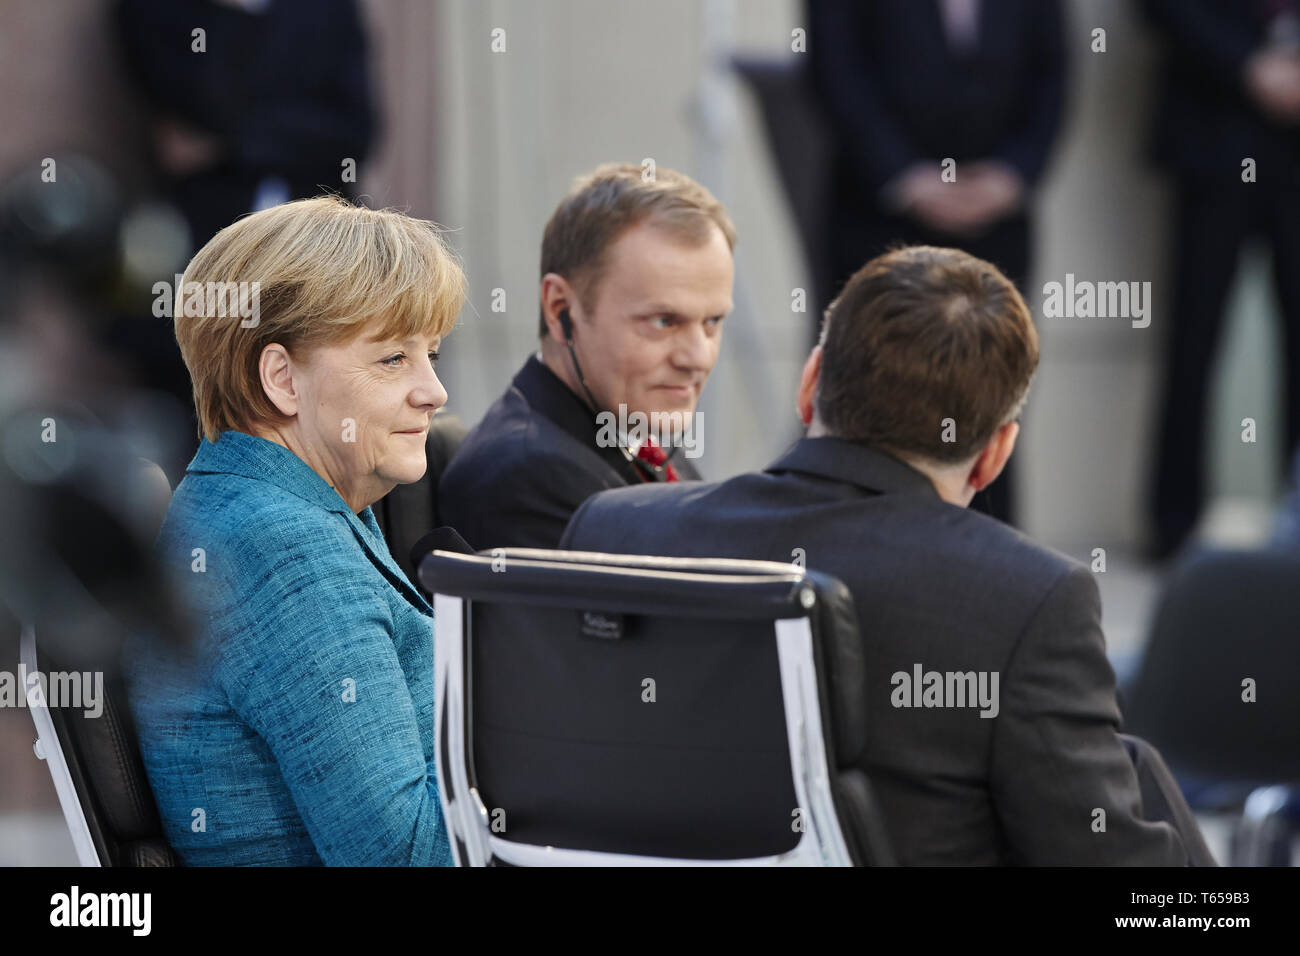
{"type": "Point", "coordinates": [322, 272]}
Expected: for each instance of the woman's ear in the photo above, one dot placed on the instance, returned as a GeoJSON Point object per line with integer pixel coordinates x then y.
{"type": "Point", "coordinates": [812, 370]}
{"type": "Point", "coordinates": [276, 369]}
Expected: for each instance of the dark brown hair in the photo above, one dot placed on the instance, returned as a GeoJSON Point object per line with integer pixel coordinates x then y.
{"type": "Point", "coordinates": [612, 198]}
{"type": "Point", "coordinates": [919, 335]}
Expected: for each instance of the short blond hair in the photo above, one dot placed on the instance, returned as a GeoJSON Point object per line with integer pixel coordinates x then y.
{"type": "Point", "coordinates": [609, 200]}
{"type": "Point", "coordinates": [326, 272]}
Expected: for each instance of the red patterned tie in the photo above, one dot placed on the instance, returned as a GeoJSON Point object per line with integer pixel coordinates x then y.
{"type": "Point", "coordinates": [651, 453]}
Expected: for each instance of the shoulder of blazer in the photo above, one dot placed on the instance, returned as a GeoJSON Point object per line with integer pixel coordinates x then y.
{"type": "Point", "coordinates": [267, 525]}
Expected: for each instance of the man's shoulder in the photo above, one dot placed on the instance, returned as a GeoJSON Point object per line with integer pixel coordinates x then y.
{"type": "Point", "coordinates": [514, 440]}
{"type": "Point", "coordinates": [978, 536]}
{"type": "Point", "coordinates": [898, 529]}
{"type": "Point", "coordinates": [654, 496]}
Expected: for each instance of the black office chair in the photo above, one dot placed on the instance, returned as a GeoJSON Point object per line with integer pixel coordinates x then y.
{"type": "Point", "coordinates": [624, 710]}
{"type": "Point", "coordinates": [1227, 617]}
{"type": "Point", "coordinates": [408, 512]}
{"type": "Point", "coordinates": [98, 774]}
{"type": "Point", "coordinates": [802, 142]}
{"type": "Point", "coordinates": [87, 579]}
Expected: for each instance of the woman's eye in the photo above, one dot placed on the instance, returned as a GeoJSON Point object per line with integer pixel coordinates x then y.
{"type": "Point", "coordinates": [392, 360]}
{"type": "Point", "coordinates": [433, 358]}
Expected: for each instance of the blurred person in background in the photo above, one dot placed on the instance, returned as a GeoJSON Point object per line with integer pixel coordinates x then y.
{"type": "Point", "coordinates": [1287, 531]}
{"type": "Point", "coordinates": [636, 280]}
{"type": "Point", "coordinates": [1228, 131]}
{"type": "Point", "coordinates": [303, 729]}
{"type": "Point", "coordinates": [271, 102]}
{"type": "Point", "coordinates": [908, 84]}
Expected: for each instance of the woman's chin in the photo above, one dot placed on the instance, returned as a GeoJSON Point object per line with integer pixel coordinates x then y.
{"type": "Point", "coordinates": [409, 471]}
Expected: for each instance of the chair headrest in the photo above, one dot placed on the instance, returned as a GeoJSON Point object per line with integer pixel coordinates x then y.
{"type": "Point", "coordinates": [719, 588]}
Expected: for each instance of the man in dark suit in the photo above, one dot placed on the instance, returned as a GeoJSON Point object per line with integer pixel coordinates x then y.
{"type": "Point", "coordinates": [944, 113]}
{"type": "Point", "coordinates": [271, 102]}
{"type": "Point", "coordinates": [636, 280]}
{"type": "Point", "coordinates": [911, 402]}
{"type": "Point", "coordinates": [1228, 131]}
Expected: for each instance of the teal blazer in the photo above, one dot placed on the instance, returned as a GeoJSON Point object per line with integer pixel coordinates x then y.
{"type": "Point", "coordinates": [301, 730]}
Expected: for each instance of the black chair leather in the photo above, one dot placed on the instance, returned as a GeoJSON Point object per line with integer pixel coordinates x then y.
{"type": "Point", "coordinates": [103, 759]}
{"type": "Point", "coordinates": [1225, 617]}
{"type": "Point", "coordinates": [1163, 800]}
{"type": "Point", "coordinates": [562, 741]}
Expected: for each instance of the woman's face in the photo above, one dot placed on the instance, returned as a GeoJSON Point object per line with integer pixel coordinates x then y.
{"type": "Point", "coordinates": [364, 409]}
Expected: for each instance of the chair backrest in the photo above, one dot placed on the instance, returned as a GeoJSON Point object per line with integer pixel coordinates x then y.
{"type": "Point", "coordinates": [95, 763]}
{"type": "Point", "coordinates": [88, 579]}
{"type": "Point", "coordinates": [1218, 690]}
{"type": "Point", "coordinates": [802, 142]}
{"type": "Point", "coordinates": [408, 512]}
{"type": "Point", "coordinates": [615, 709]}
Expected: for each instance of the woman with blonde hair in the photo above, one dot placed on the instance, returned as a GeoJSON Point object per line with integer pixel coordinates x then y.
{"type": "Point", "coordinates": [301, 731]}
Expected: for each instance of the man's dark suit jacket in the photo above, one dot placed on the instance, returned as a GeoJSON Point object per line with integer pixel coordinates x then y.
{"type": "Point", "coordinates": [952, 590]}
{"type": "Point", "coordinates": [527, 466]}
{"type": "Point", "coordinates": [1206, 122]}
{"type": "Point", "coordinates": [897, 93]}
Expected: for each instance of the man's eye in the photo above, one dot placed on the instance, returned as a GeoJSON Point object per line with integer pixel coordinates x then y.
{"type": "Point", "coordinates": [716, 320]}
{"type": "Point", "coordinates": [662, 321]}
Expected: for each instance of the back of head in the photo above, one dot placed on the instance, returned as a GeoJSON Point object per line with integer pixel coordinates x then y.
{"type": "Point", "coordinates": [925, 354]}
{"type": "Point", "coordinates": [613, 198]}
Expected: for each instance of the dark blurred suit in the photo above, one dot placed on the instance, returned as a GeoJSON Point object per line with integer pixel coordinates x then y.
{"type": "Point", "coordinates": [286, 94]}
{"type": "Point", "coordinates": [1205, 126]}
{"type": "Point", "coordinates": [1287, 531]}
{"type": "Point", "coordinates": [526, 467]}
{"type": "Point", "coordinates": [286, 90]}
{"type": "Point", "coordinates": [952, 590]}
{"type": "Point", "coordinates": [898, 91]}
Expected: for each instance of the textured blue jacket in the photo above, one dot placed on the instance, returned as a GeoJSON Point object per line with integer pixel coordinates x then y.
{"type": "Point", "coordinates": [301, 732]}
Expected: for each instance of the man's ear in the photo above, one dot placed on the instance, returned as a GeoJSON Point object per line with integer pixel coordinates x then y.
{"type": "Point", "coordinates": [556, 296]}
{"type": "Point", "coordinates": [812, 371]}
{"type": "Point", "coordinates": [990, 462]}
{"type": "Point", "coordinates": [276, 368]}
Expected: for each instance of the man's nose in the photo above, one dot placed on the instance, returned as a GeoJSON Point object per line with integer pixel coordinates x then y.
{"type": "Point", "coordinates": [696, 349]}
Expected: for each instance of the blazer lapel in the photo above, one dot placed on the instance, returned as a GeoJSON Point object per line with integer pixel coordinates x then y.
{"type": "Point", "coordinates": [372, 540]}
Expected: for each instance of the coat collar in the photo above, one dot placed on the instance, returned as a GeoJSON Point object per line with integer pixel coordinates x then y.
{"type": "Point", "coordinates": [549, 396]}
{"type": "Point", "coordinates": [854, 463]}
{"type": "Point", "coordinates": [238, 453]}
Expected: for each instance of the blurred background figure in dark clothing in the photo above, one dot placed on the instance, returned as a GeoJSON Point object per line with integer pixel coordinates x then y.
{"type": "Point", "coordinates": [1286, 533]}
{"type": "Point", "coordinates": [270, 102]}
{"type": "Point", "coordinates": [908, 84]}
{"type": "Point", "coordinates": [1228, 130]}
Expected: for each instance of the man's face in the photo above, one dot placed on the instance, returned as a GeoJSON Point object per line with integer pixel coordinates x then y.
{"type": "Point", "coordinates": [655, 326]}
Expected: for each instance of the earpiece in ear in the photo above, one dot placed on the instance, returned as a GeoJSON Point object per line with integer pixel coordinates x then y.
{"type": "Point", "coordinates": [567, 324]}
